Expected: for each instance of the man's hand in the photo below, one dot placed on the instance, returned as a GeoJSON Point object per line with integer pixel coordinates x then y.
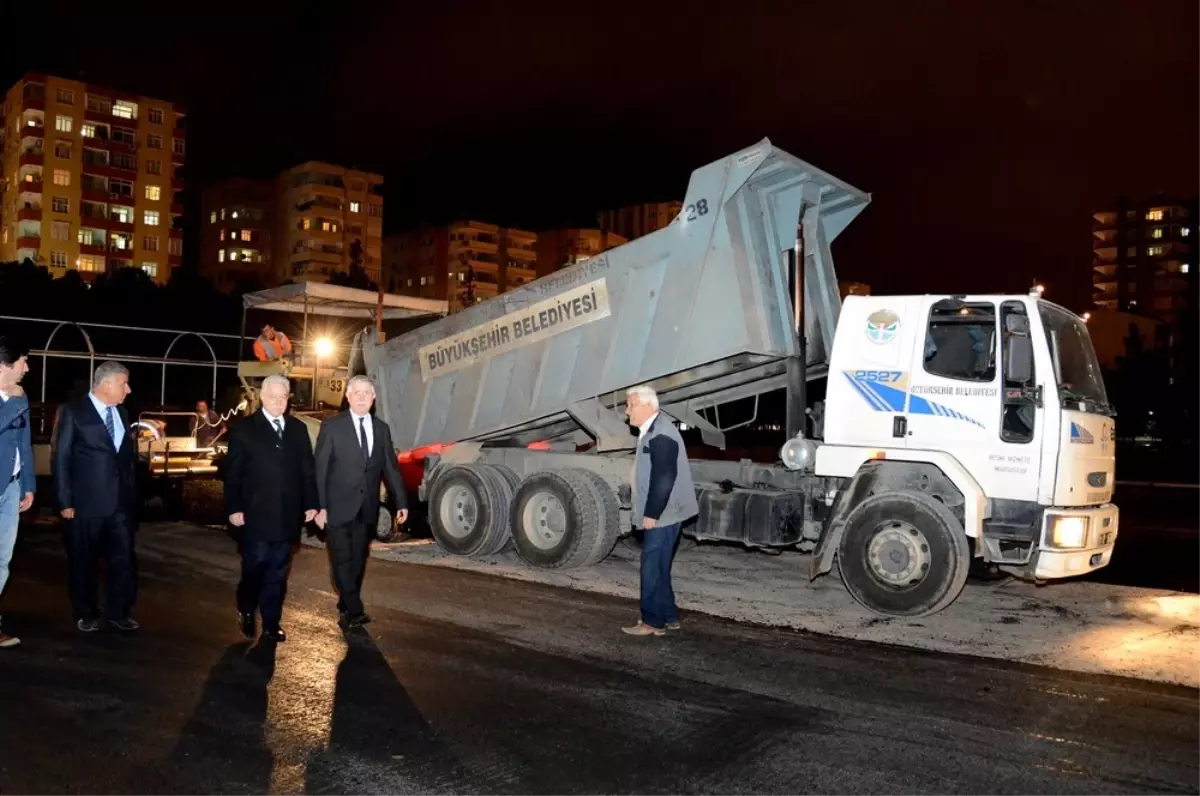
{"type": "Point", "coordinates": [26, 502]}
{"type": "Point", "coordinates": [322, 518]}
{"type": "Point", "coordinates": [401, 516]}
{"type": "Point", "coordinates": [310, 515]}
{"type": "Point", "coordinates": [648, 523]}
{"type": "Point", "coordinates": [237, 520]}
{"type": "Point", "coordinates": [68, 514]}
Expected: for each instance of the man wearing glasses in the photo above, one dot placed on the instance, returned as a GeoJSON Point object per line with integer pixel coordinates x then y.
{"type": "Point", "coordinates": [354, 453]}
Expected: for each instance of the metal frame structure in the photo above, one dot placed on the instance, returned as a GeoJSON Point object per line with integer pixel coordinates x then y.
{"type": "Point", "coordinates": [91, 355]}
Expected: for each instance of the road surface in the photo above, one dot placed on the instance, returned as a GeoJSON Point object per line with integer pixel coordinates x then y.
{"type": "Point", "coordinates": [524, 688]}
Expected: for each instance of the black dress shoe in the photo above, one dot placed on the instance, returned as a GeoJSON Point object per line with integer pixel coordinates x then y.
{"type": "Point", "coordinates": [358, 620]}
{"type": "Point", "coordinates": [248, 625]}
{"type": "Point", "coordinates": [277, 635]}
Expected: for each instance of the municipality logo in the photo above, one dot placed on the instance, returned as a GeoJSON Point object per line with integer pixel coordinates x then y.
{"type": "Point", "coordinates": [1081, 436]}
{"type": "Point", "coordinates": [882, 326]}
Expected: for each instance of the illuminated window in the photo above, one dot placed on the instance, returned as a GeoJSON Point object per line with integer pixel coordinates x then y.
{"type": "Point", "coordinates": [64, 124]}
{"type": "Point", "coordinates": [154, 192]}
{"type": "Point", "coordinates": [422, 280]}
{"type": "Point", "coordinates": [150, 218]}
{"type": "Point", "coordinates": [122, 214]}
{"type": "Point", "coordinates": [151, 269]}
{"type": "Point", "coordinates": [67, 97]}
{"type": "Point", "coordinates": [355, 207]}
{"type": "Point", "coordinates": [150, 243]}
{"type": "Point", "coordinates": [154, 141]}
{"type": "Point", "coordinates": [221, 256]}
{"type": "Point", "coordinates": [125, 110]}
{"type": "Point", "coordinates": [1154, 215]}
{"type": "Point", "coordinates": [212, 217]}
{"type": "Point", "coordinates": [1156, 251]}
{"type": "Point", "coordinates": [306, 224]}
{"type": "Point", "coordinates": [233, 254]}
{"type": "Point", "coordinates": [1183, 269]}
{"type": "Point", "coordinates": [154, 167]}
{"type": "Point", "coordinates": [62, 177]}
{"type": "Point", "coordinates": [1157, 232]}
{"type": "Point", "coordinates": [90, 263]}
{"type": "Point", "coordinates": [58, 259]}
{"type": "Point", "coordinates": [60, 204]}
{"type": "Point", "coordinates": [222, 214]}
{"type": "Point", "coordinates": [1185, 231]}
{"type": "Point", "coordinates": [325, 226]}
{"type": "Point", "coordinates": [222, 236]}
{"type": "Point", "coordinates": [156, 116]}
{"type": "Point", "coordinates": [245, 235]}
{"type": "Point", "coordinates": [88, 130]}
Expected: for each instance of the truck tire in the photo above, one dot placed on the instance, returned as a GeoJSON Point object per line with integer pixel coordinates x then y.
{"type": "Point", "coordinates": [468, 510]}
{"type": "Point", "coordinates": [903, 554]}
{"type": "Point", "coordinates": [385, 526]}
{"type": "Point", "coordinates": [559, 520]}
{"type": "Point", "coordinates": [610, 518]}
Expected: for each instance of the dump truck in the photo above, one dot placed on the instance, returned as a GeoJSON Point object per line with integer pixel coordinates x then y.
{"type": "Point", "coordinates": [954, 429]}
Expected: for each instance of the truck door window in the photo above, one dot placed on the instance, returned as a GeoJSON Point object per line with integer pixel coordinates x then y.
{"type": "Point", "coordinates": [1019, 410]}
{"type": "Point", "coordinates": [961, 341]}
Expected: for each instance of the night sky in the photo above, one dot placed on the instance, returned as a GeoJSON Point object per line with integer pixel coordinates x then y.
{"type": "Point", "coordinates": [987, 132]}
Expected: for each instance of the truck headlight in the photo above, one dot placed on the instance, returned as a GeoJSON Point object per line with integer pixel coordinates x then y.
{"type": "Point", "coordinates": [1069, 532]}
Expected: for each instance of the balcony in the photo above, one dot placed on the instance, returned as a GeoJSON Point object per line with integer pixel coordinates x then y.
{"type": "Point", "coordinates": [32, 159]}
{"type": "Point", "coordinates": [1106, 269]}
{"type": "Point", "coordinates": [101, 117]}
{"type": "Point", "coordinates": [87, 248]}
{"type": "Point", "coordinates": [1105, 287]}
{"type": "Point", "coordinates": [33, 104]}
{"type": "Point", "coordinates": [174, 259]}
{"type": "Point", "coordinates": [30, 186]}
{"type": "Point", "coordinates": [176, 208]}
{"type": "Point", "coordinates": [1106, 252]}
{"type": "Point", "coordinates": [175, 232]}
{"type": "Point", "coordinates": [29, 242]}
{"type": "Point", "coordinates": [30, 214]}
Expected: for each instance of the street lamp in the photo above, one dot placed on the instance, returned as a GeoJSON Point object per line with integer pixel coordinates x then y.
{"type": "Point", "coordinates": [323, 348]}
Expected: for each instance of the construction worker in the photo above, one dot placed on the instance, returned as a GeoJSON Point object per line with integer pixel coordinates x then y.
{"type": "Point", "coordinates": [271, 345]}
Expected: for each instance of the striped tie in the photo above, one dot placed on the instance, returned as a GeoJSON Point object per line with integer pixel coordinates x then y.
{"type": "Point", "coordinates": [111, 426]}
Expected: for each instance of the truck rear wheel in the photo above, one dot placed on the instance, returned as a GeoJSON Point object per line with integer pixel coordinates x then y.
{"type": "Point", "coordinates": [563, 519]}
{"type": "Point", "coordinates": [903, 554]}
{"type": "Point", "coordinates": [468, 510]}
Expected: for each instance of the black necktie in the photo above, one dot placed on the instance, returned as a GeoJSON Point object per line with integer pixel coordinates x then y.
{"type": "Point", "coordinates": [278, 427]}
{"type": "Point", "coordinates": [362, 438]}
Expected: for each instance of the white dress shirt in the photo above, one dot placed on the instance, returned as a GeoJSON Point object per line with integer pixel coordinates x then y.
{"type": "Point", "coordinates": [369, 426]}
{"type": "Point", "coordinates": [102, 409]}
{"type": "Point", "coordinates": [17, 463]}
{"type": "Point", "coordinates": [272, 419]}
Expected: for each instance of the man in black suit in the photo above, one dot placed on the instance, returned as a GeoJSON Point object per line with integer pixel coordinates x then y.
{"type": "Point", "coordinates": [354, 451]}
{"type": "Point", "coordinates": [95, 487]}
{"type": "Point", "coordinates": [270, 492]}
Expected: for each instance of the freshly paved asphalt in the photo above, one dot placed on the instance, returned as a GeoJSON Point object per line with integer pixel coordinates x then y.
{"type": "Point", "coordinates": [467, 683]}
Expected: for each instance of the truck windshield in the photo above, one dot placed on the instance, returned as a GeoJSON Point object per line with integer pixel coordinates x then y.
{"type": "Point", "coordinates": [1075, 365]}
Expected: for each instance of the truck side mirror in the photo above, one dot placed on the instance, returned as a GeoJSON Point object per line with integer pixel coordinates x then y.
{"type": "Point", "coordinates": [1018, 350]}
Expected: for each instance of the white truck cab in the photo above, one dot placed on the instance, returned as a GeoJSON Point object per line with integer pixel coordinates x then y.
{"type": "Point", "coordinates": [993, 407]}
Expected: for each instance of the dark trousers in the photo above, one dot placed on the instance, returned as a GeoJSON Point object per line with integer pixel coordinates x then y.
{"type": "Point", "coordinates": [85, 541]}
{"type": "Point", "coordinates": [349, 548]}
{"type": "Point", "coordinates": [264, 580]}
{"type": "Point", "coordinates": [658, 598]}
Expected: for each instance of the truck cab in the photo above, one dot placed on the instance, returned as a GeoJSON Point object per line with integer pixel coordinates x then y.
{"type": "Point", "coordinates": [992, 405]}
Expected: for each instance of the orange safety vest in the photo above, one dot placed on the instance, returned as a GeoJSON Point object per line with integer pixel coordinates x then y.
{"type": "Point", "coordinates": [267, 350]}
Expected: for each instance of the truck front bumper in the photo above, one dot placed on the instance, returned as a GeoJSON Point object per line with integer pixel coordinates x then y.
{"type": "Point", "coordinates": [1055, 561]}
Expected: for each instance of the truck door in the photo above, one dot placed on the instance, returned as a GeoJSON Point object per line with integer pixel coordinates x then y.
{"type": "Point", "coordinates": [957, 398]}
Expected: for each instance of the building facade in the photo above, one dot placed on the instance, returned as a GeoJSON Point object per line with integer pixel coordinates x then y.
{"type": "Point", "coordinates": [1144, 258]}
{"type": "Point", "coordinates": [328, 219]}
{"type": "Point", "coordinates": [464, 262]}
{"type": "Point", "coordinates": [638, 220]}
{"type": "Point", "coordinates": [91, 177]}
{"type": "Point", "coordinates": [562, 247]}
{"type": "Point", "coordinates": [238, 232]}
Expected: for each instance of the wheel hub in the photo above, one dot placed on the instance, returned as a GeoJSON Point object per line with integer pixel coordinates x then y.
{"type": "Point", "coordinates": [544, 520]}
{"type": "Point", "coordinates": [898, 554]}
{"type": "Point", "coordinates": [459, 511]}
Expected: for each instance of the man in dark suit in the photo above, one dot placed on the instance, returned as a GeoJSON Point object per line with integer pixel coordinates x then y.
{"type": "Point", "coordinates": [354, 451]}
{"type": "Point", "coordinates": [270, 492]}
{"type": "Point", "coordinates": [95, 487]}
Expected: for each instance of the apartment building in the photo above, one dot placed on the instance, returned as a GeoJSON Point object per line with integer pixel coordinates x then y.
{"type": "Point", "coordinates": [238, 232]}
{"type": "Point", "coordinates": [1144, 258]}
{"type": "Point", "coordinates": [562, 247]}
{"type": "Point", "coordinates": [464, 262]}
{"type": "Point", "coordinates": [91, 178]}
{"type": "Point", "coordinates": [638, 220]}
{"type": "Point", "coordinates": [329, 219]}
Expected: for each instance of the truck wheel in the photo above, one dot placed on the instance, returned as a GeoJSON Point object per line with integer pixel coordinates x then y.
{"type": "Point", "coordinates": [903, 554]}
{"type": "Point", "coordinates": [559, 520]}
{"type": "Point", "coordinates": [468, 510]}
{"type": "Point", "coordinates": [610, 518]}
{"type": "Point", "coordinates": [385, 527]}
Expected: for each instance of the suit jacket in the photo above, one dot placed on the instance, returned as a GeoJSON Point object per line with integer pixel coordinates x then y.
{"type": "Point", "coordinates": [90, 475]}
{"type": "Point", "coordinates": [347, 481]}
{"type": "Point", "coordinates": [270, 480]}
{"type": "Point", "coordinates": [15, 438]}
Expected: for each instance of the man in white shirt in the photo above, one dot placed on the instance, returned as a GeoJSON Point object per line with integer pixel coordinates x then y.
{"type": "Point", "coordinates": [354, 452]}
{"type": "Point", "coordinates": [17, 483]}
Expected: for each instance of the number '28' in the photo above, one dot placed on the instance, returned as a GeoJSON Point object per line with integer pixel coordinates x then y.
{"type": "Point", "coordinates": [697, 210]}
